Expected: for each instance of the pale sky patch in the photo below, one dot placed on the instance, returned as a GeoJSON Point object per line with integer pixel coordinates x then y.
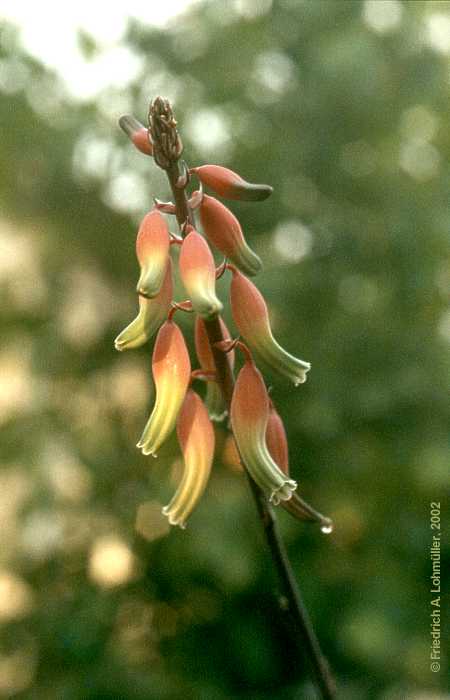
{"type": "Point", "coordinates": [48, 31]}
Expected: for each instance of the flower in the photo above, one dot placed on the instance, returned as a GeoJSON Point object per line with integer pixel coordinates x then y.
{"type": "Point", "coordinates": [251, 317]}
{"type": "Point", "coordinates": [171, 369]}
{"type": "Point", "coordinates": [152, 313]}
{"type": "Point", "coordinates": [198, 274]}
{"type": "Point", "coordinates": [249, 418]}
{"type": "Point", "coordinates": [277, 445]}
{"type": "Point", "coordinates": [224, 231]}
{"type": "Point", "coordinates": [152, 250]}
{"type": "Point", "coordinates": [214, 400]}
{"type": "Point", "coordinates": [137, 133]}
{"type": "Point", "coordinates": [196, 438]}
{"type": "Point", "coordinates": [230, 185]}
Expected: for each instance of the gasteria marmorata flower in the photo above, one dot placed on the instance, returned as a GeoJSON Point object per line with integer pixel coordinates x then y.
{"type": "Point", "coordinates": [152, 314]}
{"type": "Point", "coordinates": [251, 317]}
{"type": "Point", "coordinates": [198, 274]}
{"type": "Point", "coordinates": [224, 231]}
{"type": "Point", "coordinates": [152, 250]}
{"type": "Point", "coordinates": [257, 428]}
{"type": "Point", "coordinates": [214, 399]}
{"type": "Point", "coordinates": [277, 445]}
{"type": "Point", "coordinates": [249, 417]}
{"type": "Point", "coordinates": [230, 185]}
{"type": "Point", "coordinates": [171, 370]}
{"type": "Point", "coordinates": [196, 437]}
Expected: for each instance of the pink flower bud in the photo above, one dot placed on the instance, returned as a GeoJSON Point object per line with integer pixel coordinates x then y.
{"type": "Point", "coordinates": [141, 140]}
{"type": "Point", "coordinates": [249, 418]}
{"type": "Point", "coordinates": [171, 369]}
{"type": "Point", "coordinates": [224, 231]}
{"type": "Point", "coordinates": [152, 250]}
{"type": "Point", "coordinates": [230, 185]}
{"type": "Point", "coordinates": [152, 313]}
{"type": "Point", "coordinates": [196, 438]}
{"type": "Point", "coordinates": [137, 133]}
{"type": "Point", "coordinates": [198, 274]}
{"type": "Point", "coordinates": [214, 399]}
{"type": "Point", "coordinates": [251, 317]}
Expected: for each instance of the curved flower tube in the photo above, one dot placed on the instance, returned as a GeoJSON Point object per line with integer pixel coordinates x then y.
{"type": "Point", "coordinates": [229, 184]}
{"type": "Point", "coordinates": [196, 438]}
{"type": "Point", "coordinates": [278, 447]}
{"type": "Point", "coordinates": [198, 274]}
{"type": "Point", "coordinates": [251, 317]}
{"type": "Point", "coordinates": [171, 369]}
{"type": "Point", "coordinates": [224, 231]}
{"type": "Point", "coordinates": [152, 314]}
{"type": "Point", "coordinates": [152, 250]}
{"type": "Point", "coordinates": [249, 418]}
{"type": "Point", "coordinates": [214, 400]}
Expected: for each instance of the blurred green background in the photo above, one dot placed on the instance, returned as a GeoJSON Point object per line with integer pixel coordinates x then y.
{"type": "Point", "coordinates": [343, 107]}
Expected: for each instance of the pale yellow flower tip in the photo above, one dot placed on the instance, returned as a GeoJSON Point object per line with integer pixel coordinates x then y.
{"type": "Point", "coordinates": [196, 438]}
{"type": "Point", "coordinates": [152, 313]}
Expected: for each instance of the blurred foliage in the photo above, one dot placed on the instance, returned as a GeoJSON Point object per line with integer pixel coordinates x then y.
{"type": "Point", "coordinates": [343, 107]}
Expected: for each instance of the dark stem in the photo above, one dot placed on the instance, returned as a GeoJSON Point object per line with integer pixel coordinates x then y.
{"type": "Point", "coordinates": [307, 640]}
{"type": "Point", "coordinates": [179, 196]}
{"type": "Point", "coordinates": [295, 609]}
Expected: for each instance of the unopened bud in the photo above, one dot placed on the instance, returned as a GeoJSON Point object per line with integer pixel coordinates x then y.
{"type": "Point", "coordinates": [137, 133]}
{"type": "Point", "coordinates": [230, 185]}
{"type": "Point", "coordinates": [224, 231]}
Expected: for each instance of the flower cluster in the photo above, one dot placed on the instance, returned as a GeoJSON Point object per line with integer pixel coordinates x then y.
{"type": "Point", "coordinates": [256, 426]}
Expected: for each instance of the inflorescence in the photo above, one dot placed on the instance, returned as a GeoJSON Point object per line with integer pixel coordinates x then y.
{"type": "Point", "coordinates": [257, 428]}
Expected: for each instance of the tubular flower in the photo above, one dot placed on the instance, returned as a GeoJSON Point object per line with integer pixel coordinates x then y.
{"type": "Point", "coordinates": [152, 313]}
{"type": "Point", "coordinates": [214, 399]}
{"type": "Point", "coordinates": [251, 317]}
{"type": "Point", "coordinates": [152, 250]}
{"type": "Point", "coordinates": [224, 231]}
{"type": "Point", "coordinates": [249, 418]}
{"type": "Point", "coordinates": [137, 133]}
{"type": "Point", "coordinates": [198, 274]}
{"type": "Point", "coordinates": [171, 369]}
{"type": "Point", "coordinates": [278, 447]}
{"type": "Point", "coordinates": [230, 185]}
{"type": "Point", "coordinates": [196, 438]}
